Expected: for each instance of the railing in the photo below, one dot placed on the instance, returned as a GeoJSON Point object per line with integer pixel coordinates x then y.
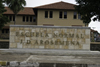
{"type": "Point", "coordinates": [95, 37]}
{"type": "Point", "coordinates": [4, 44]}
{"type": "Point", "coordinates": [95, 46]}
{"type": "Point", "coordinates": [4, 36]}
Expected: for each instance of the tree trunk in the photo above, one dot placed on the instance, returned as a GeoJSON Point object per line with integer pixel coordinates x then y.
{"type": "Point", "coordinates": [85, 24]}
{"type": "Point", "coordinates": [15, 20]}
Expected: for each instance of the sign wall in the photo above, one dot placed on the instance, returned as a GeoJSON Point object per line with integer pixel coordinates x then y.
{"type": "Point", "coordinates": [49, 37]}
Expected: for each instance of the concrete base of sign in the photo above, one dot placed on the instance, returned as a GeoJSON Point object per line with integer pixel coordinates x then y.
{"type": "Point", "coordinates": [50, 56]}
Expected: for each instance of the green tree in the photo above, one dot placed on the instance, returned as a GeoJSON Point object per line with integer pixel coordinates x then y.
{"type": "Point", "coordinates": [88, 9]}
{"type": "Point", "coordinates": [16, 6]}
{"type": "Point", "coordinates": [3, 19]}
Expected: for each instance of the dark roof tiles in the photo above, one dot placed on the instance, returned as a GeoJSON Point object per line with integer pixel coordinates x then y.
{"type": "Point", "coordinates": [25, 11]}
{"type": "Point", "coordinates": [30, 11]}
{"type": "Point", "coordinates": [58, 5]}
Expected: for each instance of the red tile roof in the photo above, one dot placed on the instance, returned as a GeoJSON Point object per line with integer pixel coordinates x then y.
{"type": "Point", "coordinates": [30, 11]}
{"type": "Point", "coordinates": [58, 5]}
{"type": "Point", "coordinates": [25, 11]}
{"type": "Point", "coordinates": [93, 30]}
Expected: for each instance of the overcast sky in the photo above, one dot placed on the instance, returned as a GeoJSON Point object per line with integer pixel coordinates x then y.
{"type": "Point", "coordinates": [33, 3]}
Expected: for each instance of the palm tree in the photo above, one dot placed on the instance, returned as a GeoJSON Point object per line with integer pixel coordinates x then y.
{"type": "Point", "coordinates": [3, 19]}
{"type": "Point", "coordinates": [15, 6]}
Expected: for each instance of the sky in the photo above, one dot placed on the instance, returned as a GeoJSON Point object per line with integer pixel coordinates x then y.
{"type": "Point", "coordinates": [33, 3]}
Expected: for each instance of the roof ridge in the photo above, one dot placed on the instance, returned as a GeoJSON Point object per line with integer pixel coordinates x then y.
{"type": "Point", "coordinates": [24, 7]}
{"type": "Point", "coordinates": [45, 4]}
{"type": "Point", "coordinates": [26, 11]}
{"type": "Point", "coordinates": [54, 3]}
{"type": "Point", "coordinates": [57, 5]}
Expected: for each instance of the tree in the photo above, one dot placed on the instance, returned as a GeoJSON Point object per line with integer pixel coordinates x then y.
{"type": "Point", "coordinates": [16, 6]}
{"type": "Point", "coordinates": [88, 9]}
{"type": "Point", "coordinates": [3, 19]}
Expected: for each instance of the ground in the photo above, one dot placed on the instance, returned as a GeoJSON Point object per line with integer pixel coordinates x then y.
{"type": "Point", "coordinates": [50, 56]}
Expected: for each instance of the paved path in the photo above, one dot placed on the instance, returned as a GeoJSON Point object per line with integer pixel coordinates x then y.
{"type": "Point", "coordinates": [50, 56]}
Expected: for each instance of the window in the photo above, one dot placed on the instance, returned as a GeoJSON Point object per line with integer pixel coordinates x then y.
{"type": "Point", "coordinates": [3, 31]}
{"type": "Point", "coordinates": [51, 13]}
{"type": "Point", "coordinates": [79, 16]}
{"type": "Point", "coordinates": [34, 19]}
{"type": "Point", "coordinates": [23, 18]}
{"type": "Point", "coordinates": [46, 14]}
{"type": "Point", "coordinates": [30, 18]}
{"type": "Point", "coordinates": [75, 15]}
{"type": "Point", "coordinates": [10, 18]}
{"type": "Point", "coordinates": [13, 18]}
{"type": "Point", "coordinates": [60, 14]}
{"type": "Point", "coordinates": [65, 15]}
{"type": "Point", "coordinates": [26, 18]}
{"type": "Point", "coordinates": [6, 30]}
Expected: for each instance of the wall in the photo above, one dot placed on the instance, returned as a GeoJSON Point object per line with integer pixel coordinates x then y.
{"type": "Point", "coordinates": [56, 21]}
{"type": "Point", "coordinates": [19, 21]}
{"type": "Point", "coordinates": [49, 37]}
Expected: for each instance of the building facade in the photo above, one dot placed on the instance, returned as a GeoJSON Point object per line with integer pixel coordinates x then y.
{"type": "Point", "coordinates": [56, 14]}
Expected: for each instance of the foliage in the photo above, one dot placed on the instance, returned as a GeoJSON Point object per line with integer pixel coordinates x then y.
{"type": "Point", "coordinates": [88, 9]}
{"type": "Point", "coordinates": [16, 5]}
{"type": "Point", "coordinates": [3, 19]}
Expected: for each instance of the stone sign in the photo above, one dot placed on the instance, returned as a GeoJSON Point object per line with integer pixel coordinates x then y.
{"type": "Point", "coordinates": [49, 37]}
